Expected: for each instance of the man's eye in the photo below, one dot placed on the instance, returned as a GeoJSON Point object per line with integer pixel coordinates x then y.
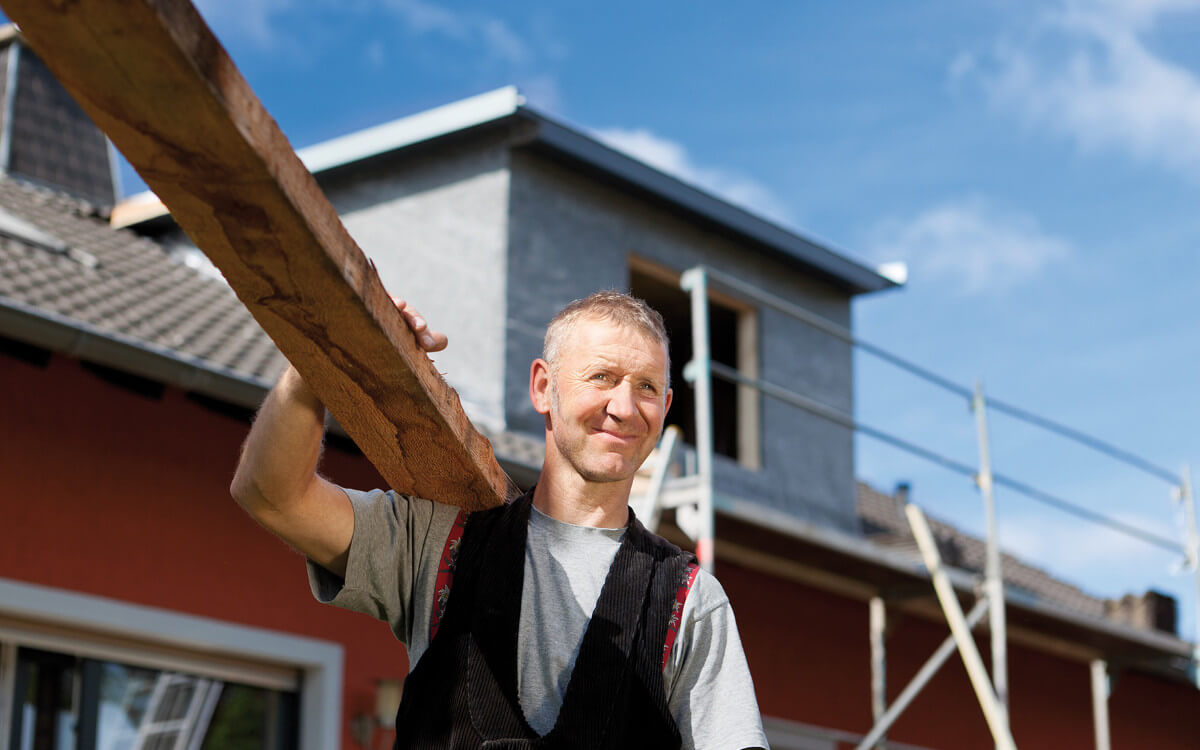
{"type": "Point", "coordinates": [600, 376]}
{"type": "Point", "coordinates": [649, 388]}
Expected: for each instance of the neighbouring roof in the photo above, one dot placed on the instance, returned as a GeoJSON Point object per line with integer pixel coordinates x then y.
{"type": "Point", "coordinates": [884, 524]}
{"type": "Point", "coordinates": [72, 283]}
{"type": "Point", "coordinates": [584, 151]}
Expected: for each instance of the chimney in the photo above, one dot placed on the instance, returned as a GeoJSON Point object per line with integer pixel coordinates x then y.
{"type": "Point", "coordinates": [1153, 610]}
{"type": "Point", "coordinates": [45, 137]}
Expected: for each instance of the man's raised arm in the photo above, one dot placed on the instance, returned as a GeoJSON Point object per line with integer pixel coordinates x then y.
{"type": "Point", "coordinates": [276, 480]}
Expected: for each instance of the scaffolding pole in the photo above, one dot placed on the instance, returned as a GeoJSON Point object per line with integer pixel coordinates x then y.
{"type": "Point", "coordinates": [878, 626]}
{"type": "Point", "coordinates": [699, 373]}
{"type": "Point", "coordinates": [1100, 690]}
{"type": "Point", "coordinates": [652, 504]}
{"type": "Point", "coordinates": [1192, 550]}
{"type": "Point", "coordinates": [993, 571]}
{"type": "Point", "coordinates": [919, 680]}
{"type": "Point", "coordinates": [993, 713]}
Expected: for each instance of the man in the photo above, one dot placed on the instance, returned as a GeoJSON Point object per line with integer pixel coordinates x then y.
{"type": "Point", "coordinates": [561, 622]}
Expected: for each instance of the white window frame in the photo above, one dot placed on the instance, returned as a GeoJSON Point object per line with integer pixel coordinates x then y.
{"type": "Point", "coordinates": [109, 629]}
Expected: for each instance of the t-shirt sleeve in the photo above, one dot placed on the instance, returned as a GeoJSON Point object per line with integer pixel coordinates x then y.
{"type": "Point", "coordinates": [710, 692]}
{"type": "Point", "coordinates": [393, 538]}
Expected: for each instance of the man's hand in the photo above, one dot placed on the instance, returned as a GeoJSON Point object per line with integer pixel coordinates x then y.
{"type": "Point", "coordinates": [276, 479]}
{"type": "Point", "coordinates": [428, 339]}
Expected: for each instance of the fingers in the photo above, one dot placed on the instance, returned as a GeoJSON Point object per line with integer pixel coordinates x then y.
{"type": "Point", "coordinates": [429, 340]}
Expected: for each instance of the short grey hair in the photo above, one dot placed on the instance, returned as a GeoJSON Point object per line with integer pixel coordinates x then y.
{"type": "Point", "coordinates": [612, 306]}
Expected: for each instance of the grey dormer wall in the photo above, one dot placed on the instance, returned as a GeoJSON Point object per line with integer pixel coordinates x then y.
{"type": "Point", "coordinates": [570, 235]}
{"type": "Point", "coordinates": [435, 224]}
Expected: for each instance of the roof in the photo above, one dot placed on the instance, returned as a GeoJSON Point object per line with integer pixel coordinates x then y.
{"type": "Point", "coordinates": [72, 283]}
{"type": "Point", "coordinates": [884, 524]}
{"type": "Point", "coordinates": [587, 153]}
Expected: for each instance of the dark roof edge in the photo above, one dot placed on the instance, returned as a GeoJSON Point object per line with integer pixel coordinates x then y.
{"type": "Point", "coordinates": [584, 148]}
{"type": "Point", "coordinates": [858, 548]}
{"type": "Point", "coordinates": [84, 341]}
{"type": "Point", "coordinates": [77, 339]}
{"type": "Point", "coordinates": [507, 103]}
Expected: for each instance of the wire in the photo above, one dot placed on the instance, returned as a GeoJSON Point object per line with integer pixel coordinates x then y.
{"type": "Point", "coordinates": [824, 411]}
{"type": "Point", "coordinates": [844, 334]}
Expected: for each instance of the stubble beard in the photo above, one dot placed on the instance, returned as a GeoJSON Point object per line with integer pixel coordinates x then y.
{"type": "Point", "coordinates": [575, 455]}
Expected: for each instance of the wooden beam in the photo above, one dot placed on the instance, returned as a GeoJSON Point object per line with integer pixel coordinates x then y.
{"type": "Point", "coordinates": [151, 74]}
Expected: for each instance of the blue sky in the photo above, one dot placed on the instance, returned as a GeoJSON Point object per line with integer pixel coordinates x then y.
{"type": "Point", "coordinates": [1036, 164]}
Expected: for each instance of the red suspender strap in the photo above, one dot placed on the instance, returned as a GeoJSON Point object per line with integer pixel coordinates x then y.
{"type": "Point", "coordinates": [445, 574]}
{"type": "Point", "coordinates": [445, 580]}
{"type": "Point", "coordinates": [685, 586]}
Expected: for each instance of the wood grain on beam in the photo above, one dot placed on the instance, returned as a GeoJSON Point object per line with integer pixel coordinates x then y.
{"type": "Point", "coordinates": [151, 74]}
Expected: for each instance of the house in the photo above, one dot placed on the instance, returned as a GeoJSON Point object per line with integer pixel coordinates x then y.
{"type": "Point", "coordinates": [137, 602]}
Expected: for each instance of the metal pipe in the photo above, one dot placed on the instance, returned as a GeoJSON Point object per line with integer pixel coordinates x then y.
{"type": "Point", "coordinates": [1100, 689]}
{"type": "Point", "coordinates": [993, 572]}
{"type": "Point", "coordinates": [919, 680]}
{"type": "Point", "coordinates": [844, 334]}
{"type": "Point", "coordinates": [878, 628]}
{"type": "Point", "coordinates": [826, 412]}
{"type": "Point", "coordinates": [666, 453]}
{"type": "Point", "coordinates": [993, 713]}
{"type": "Point", "coordinates": [1192, 532]}
{"type": "Point", "coordinates": [699, 373]}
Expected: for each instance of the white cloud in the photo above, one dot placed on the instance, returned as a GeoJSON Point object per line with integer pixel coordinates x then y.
{"type": "Point", "coordinates": [375, 54]}
{"type": "Point", "coordinates": [491, 33]}
{"type": "Point", "coordinates": [252, 19]}
{"type": "Point", "coordinates": [672, 158]}
{"type": "Point", "coordinates": [1081, 550]}
{"type": "Point", "coordinates": [970, 244]}
{"type": "Point", "coordinates": [1086, 70]}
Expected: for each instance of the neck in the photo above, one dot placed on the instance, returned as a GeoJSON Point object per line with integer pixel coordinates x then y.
{"type": "Point", "coordinates": [566, 496]}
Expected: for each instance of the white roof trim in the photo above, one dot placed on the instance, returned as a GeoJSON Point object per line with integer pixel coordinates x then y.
{"type": "Point", "coordinates": [406, 131]}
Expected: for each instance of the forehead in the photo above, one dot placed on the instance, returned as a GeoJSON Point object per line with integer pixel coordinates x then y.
{"type": "Point", "coordinates": [594, 339]}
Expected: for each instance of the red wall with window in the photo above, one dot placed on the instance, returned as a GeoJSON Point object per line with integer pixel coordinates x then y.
{"type": "Point", "coordinates": [112, 492]}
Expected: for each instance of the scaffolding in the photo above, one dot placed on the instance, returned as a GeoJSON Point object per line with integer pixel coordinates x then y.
{"type": "Point", "coordinates": [692, 497]}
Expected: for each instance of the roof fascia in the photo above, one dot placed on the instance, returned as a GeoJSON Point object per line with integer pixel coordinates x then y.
{"type": "Point", "coordinates": [596, 155]}
{"type": "Point", "coordinates": [887, 560]}
{"type": "Point", "coordinates": [407, 131]}
{"type": "Point", "coordinates": [500, 104]}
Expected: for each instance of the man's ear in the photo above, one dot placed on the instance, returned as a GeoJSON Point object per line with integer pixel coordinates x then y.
{"type": "Point", "coordinates": [667, 406]}
{"type": "Point", "coordinates": [539, 386]}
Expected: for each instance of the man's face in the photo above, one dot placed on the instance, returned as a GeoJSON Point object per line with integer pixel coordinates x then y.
{"type": "Point", "coordinates": [606, 399]}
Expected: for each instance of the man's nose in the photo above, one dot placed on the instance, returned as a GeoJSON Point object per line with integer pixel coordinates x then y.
{"type": "Point", "coordinates": [621, 403]}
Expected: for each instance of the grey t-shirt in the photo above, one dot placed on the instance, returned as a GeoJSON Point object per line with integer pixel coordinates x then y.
{"type": "Point", "coordinates": [392, 568]}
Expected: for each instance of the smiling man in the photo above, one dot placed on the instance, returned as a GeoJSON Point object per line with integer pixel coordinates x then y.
{"type": "Point", "coordinates": [554, 621]}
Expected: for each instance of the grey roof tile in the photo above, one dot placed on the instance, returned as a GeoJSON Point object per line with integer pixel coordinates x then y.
{"type": "Point", "coordinates": [136, 290]}
{"type": "Point", "coordinates": [883, 523]}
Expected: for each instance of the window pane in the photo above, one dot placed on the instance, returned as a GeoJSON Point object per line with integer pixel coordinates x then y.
{"type": "Point", "coordinates": [133, 708]}
{"type": "Point", "coordinates": [45, 712]}
{"type": "Point", "coordinates": [125, 694]}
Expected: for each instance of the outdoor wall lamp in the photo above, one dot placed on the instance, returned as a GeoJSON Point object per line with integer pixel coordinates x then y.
{"type": "Point", "coordinates": [363, 727]}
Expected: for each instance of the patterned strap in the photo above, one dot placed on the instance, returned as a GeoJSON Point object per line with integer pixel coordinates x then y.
{"type": "Point", "coordinates": [681, 594]}
{"type": "Point", "coordinates": [445, 575]}
{"type": "Point", "coordinates": [445, 580]}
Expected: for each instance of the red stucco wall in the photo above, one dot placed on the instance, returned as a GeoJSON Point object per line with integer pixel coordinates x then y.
{"type": "Point", "coordinates": [113, 493]}
{"type": "Point", "coordinates": [810, 659]}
